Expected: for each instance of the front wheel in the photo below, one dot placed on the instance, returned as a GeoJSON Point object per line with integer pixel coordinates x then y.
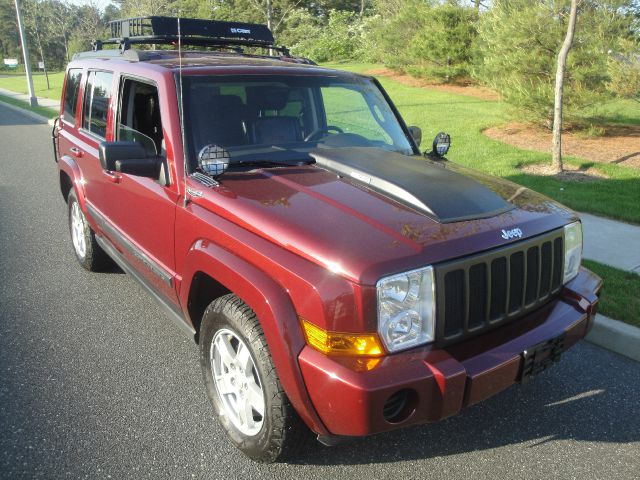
{"type": "Point", "coordinates": [83, 239]}
{"type": "Point", "coordinates": [243, 385]}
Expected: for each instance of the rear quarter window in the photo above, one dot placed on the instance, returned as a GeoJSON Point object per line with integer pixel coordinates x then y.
{"type": "Point", "coordinates": [71, 95]}
{"type": "Point", "coordinates": [96, 103]}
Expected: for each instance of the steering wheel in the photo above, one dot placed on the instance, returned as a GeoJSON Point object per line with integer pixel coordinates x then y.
{"type": "Point", "coordinates": [315, 135]}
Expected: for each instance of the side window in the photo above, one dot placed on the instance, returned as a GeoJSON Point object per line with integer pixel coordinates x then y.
{"type": "Point", "coordinates": [139, 116]}
{"type": "Point", "coordinates": [348, 110]}
{"type": "Point", "coordinates": [96, 102]}
{"type": "Point", "coordinates": [71, 95]}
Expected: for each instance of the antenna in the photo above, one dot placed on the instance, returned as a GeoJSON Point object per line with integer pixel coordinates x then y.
{"type": "Point", "coordinates": [184, 145]}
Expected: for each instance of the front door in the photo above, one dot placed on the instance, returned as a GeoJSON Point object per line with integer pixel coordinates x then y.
{"type": "Point", "coordinates": [138, 213]}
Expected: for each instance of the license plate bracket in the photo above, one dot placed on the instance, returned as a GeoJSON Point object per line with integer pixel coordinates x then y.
{"type": "Point", "coordinates": [540, 357]}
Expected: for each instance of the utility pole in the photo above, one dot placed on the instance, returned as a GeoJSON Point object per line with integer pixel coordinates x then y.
{"type": "Point", "coordinates": [33, 101]}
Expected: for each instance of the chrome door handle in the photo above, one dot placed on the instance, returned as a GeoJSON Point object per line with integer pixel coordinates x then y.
{"type": "Point", "coordinates": [76, 152]}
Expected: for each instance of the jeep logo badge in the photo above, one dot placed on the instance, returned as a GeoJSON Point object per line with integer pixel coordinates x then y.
{"type": "Point", "coordinates": [509, 234]}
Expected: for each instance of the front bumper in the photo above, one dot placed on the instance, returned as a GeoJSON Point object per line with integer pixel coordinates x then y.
{"type": "Point", "coordinates": [350, 396]}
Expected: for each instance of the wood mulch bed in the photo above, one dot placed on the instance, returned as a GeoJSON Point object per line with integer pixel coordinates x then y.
{"type": "Point", "coordinates": [467, 90]}
{"type": "Point", "coordinates": [619, 144]}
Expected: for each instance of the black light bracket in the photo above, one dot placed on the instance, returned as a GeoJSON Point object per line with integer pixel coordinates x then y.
{"type": "Point", "coordinates": [155, 30]}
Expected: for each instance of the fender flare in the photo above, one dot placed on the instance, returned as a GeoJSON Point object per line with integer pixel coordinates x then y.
{"type": "Point", "coordinates": [273, 308]}
{"type": "Point", "coordinates": [69, 166]}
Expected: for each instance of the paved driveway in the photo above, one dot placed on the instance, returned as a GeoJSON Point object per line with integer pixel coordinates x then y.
{"type": "Point", "coordinates": [96, 383]}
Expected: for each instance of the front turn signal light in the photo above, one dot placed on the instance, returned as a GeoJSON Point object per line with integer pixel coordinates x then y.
{"type": "Point", "coordinates": [334, 343]}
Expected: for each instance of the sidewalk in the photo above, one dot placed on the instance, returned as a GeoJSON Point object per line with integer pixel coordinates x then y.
{"type": "Point", "coordinates": [610, 242]}
{"type": "Point", "coordinates": [43, 102]}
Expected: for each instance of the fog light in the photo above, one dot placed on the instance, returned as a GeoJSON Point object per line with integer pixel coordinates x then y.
{"type": "Point", "coordinates": [400, 406]}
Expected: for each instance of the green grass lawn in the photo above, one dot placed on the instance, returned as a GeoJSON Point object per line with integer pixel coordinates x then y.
{"type": "Point", "coordinates": [44, 111]}
{"type": "Point", "coordinates": [465, 117]}
{"type": "Point", "coordinates": [18, 83]}
{"type": "Point", "coordinates": [619, 298]}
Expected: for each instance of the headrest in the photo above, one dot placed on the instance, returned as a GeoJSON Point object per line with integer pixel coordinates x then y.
{"type": "Point", "coordinates": [267, 97]}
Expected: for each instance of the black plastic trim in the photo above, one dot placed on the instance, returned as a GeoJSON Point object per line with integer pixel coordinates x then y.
{"type": "Point", "coordinates": [447, 334]}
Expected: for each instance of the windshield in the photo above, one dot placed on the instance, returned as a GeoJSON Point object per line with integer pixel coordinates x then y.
{"type": "Point", "coordinates": [283, 117]}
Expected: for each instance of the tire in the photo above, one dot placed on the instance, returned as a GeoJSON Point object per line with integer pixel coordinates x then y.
{"type": "Point", "coordinates": [279, 432]}
{"type": "Point", "coordinates": [83, 239]}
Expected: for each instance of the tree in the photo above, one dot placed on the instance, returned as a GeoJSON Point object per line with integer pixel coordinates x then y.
{"type": "Point", "coordinates": [89, 26]}
{"type": "Point", "coordinates": [518, 43]}
{"type": "Point", "coordinates": [275, 12]}
{"type": "Point", "coordinates": [427, 39]}
{"type": "Point", "coordinates": [9, 39]}
{"type": "Point", "coordinates": [62, 23]}
{"type": "Point", "coordinates": [560, 74]}
{"type": "Point", "coordinates": [624, 71]}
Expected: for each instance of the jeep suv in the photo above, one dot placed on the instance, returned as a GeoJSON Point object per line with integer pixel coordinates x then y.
{"type": "Point", "coordinates": [335, 278]}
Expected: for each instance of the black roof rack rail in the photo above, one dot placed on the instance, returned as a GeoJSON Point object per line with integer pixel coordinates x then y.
{"type": "Point", "coordinates": [154, 30]}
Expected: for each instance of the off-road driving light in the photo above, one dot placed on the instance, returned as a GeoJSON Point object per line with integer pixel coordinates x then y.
{"type": "Point", "coordinates": [406, 309]}
{"type": "Point", "coordinates": [572, 250]}
{"type": "Point", "coordinates": [213, 160]}
{"type": "Point", "coordinates": [335, 343]}
{"type": "Point", "coordinates": [441, 144]}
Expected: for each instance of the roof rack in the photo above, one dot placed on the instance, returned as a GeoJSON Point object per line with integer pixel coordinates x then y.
{"type": "Point", "coordinates": [155, 30]}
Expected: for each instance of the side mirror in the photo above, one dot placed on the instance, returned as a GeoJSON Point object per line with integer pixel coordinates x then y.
{"type": "Point", "coordinates": [416, 133]}
{"type": "Point", "coordinates": [129, 157]}
{"type": "Point", "coordinates": [109, 152]}
{"type": "Point", "coordinates": [142, 167]}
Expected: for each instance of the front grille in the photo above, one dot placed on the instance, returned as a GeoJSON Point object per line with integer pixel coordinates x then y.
{"type": "Point", "coordinates": [480, 292]}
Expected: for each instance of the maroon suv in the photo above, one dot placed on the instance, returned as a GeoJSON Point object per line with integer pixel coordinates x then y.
{"type": "Point", "coordinates": [335, 278]}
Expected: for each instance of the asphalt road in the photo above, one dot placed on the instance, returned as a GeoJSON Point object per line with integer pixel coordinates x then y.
{"type": "Point", "coordinates": [96, 383]}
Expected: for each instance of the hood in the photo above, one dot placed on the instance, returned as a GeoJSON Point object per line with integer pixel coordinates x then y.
{"type": "Point", "coordinates": [364, 229]}
{"type": "Point", "coordinates": [438, 192]}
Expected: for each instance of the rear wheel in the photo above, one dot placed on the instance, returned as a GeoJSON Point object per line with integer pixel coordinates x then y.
{"type": "Point", "coordinates": [83, 239]}
{"type": "Point", "coordinates": [243, 385]}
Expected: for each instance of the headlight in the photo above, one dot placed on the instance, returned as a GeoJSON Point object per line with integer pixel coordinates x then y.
{"type": "Point", "coordinates": [572, 250]}
{"type": "Point", "coordinates": [406, 309]}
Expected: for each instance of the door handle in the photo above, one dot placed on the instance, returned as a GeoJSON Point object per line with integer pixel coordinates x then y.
{"type": "Point", "coordinates": [76, 152]}
{"type": "Point", "coordinates": [112, 176]}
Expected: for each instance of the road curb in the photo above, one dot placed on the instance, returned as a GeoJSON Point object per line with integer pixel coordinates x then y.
{"type": "Point", "coordinates": [28, 113]}
{"type": "Point", "coordinates": [616, 336]}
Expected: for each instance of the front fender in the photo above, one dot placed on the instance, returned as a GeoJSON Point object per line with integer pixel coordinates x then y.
{"type": "Point", "coordinates": [273, 308]}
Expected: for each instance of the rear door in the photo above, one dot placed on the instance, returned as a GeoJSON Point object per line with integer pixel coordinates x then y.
{"type": "Point", "coordinates": [94, 128]}
{"type": "Point", "coordinates": [67, 128]}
